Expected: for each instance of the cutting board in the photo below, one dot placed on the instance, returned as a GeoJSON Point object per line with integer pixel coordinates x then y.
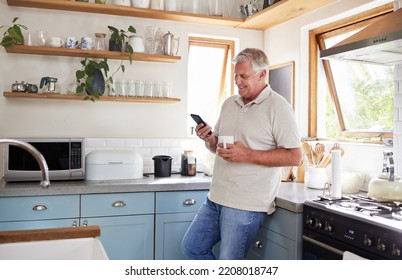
{"type": "Point", "coordinates": [49, 234]}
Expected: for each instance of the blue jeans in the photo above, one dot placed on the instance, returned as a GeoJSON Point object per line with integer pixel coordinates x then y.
{"type": "Point", "coordinates": [234, 228]}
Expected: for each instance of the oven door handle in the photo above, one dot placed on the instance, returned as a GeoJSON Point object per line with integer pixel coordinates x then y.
{"type": "Point", "coordinates": [322, 245]}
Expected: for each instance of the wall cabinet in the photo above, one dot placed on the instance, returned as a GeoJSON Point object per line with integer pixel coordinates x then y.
{"type": "Point", "coordinates": [279, 238]}
{"type": "Point", "coordinates": [17, 213]}
{"type": "Point", "coordinates": [174, 213]}
{"type": "Point", "coordinates": [126, 221]}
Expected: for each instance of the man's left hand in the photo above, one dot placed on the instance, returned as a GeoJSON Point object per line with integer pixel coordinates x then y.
{"type": "Point", "coordinates": [236, 152]}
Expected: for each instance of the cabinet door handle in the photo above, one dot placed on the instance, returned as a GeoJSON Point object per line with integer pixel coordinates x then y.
{"type": "Point", "coordinates": [189, 201]}
{"type": "Point", "coordinates": [119, 204]}
{"type": "Point", "coordinates": [258, 244]}
{"type": "Point", "coordinates": [39, 207]}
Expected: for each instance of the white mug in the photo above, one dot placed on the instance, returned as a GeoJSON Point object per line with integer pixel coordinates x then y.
{"type": "Point", "coordinates": [71, 42]}
{"type": "Point", "coordinates": [87, 43]}
{"type": "Point", "coordinates": [56, 42]}
{"type": "Point", "coordinates": [157, 4]}
{"type": "Point", "coordinates": [171, 5]}
{"type": "Point", "coordinates": [225, 140]}
{"type": "Point", "coordinates": [137, 43]}
{"type": "Point", "coordinates": [140, 3]}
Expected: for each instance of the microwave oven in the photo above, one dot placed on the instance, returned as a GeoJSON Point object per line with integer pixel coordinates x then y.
{"type": "Point", "coordinates": [64, 157]}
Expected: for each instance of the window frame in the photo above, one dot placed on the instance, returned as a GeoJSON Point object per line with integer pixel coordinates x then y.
{"type": "Point", "coordinates": [229, 46]}
{"type": "Point", "coordinates": [314, 47]}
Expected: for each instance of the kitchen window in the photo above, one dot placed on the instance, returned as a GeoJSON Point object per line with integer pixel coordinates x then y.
{"type": "Point", "coordinates": [210, 77]}
{"type": "Point", "coordinates": [349, 100]}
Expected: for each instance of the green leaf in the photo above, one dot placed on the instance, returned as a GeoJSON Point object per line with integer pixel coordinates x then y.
{"type": "Point", "coordinates": [112, 29]}
{"type": "Point", "coordinates": [132, 29]}
{"type": "Point", "coordinates": [80, 89]}
{"type": "Point", "coordinates": [79, 74]}
{"type": "Point", "coordinates": [7, 41]}
{"type": "Point", "coordinates": [89, 81]}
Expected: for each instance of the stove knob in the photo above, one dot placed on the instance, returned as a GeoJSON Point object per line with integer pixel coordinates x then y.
{"type": "Point", "coordinates": [329, 228]}
{"type": "Point", "coordinates": [367, 241]}
{"type": "Point", "coordinates": [380, 246]}
{"type": "Point", "coordinates": [395, 251]}
{"type": "Point", "coordinates": [309, 221]}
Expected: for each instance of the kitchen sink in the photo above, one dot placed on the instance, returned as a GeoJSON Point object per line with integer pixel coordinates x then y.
{"type": "Point", "coordinates": [62, 249]}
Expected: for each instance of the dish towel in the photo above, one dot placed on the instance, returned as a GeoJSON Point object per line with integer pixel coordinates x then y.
{"type": "Point", "coordinates": [350, 256]}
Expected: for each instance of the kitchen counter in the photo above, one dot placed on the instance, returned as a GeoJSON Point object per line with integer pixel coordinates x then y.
{"type": "Point", "coordinates": [291, 195]}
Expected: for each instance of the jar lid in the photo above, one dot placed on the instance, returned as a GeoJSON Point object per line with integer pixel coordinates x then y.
{"type": "Point", "coordinates": [100, 35]}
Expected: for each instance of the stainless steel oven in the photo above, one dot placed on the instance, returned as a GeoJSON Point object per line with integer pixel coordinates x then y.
{"type": "Point", "coordinates": [365, 228]}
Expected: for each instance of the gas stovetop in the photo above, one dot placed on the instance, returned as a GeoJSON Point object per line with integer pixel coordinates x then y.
{"type": "Point", "coordinates": [364, 226]}
{"type": "Point", "coordinates": [386, 213]}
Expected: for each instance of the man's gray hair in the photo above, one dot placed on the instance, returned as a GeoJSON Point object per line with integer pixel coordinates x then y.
{"type": "Point", "coordinates": [258, 58]}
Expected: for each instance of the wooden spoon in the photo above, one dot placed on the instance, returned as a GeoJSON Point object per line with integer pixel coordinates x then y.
{"type": "Point", "coordinates": [325, 161]}
{"type": "Point", "coordinates": [319, 150]}
{"type": "Point", "coordinates": [308, 151]}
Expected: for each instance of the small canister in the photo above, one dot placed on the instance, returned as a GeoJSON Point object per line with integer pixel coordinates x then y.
{"type": "Point", "coordinates": [188, 164]}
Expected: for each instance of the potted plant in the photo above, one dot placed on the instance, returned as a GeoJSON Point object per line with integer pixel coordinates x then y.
{"type": "Point", "coordinates": [94, 77]}
{"type": "Point", "coordinates": [13, 34]}
{"type": "Point", "coordinates": [118, 38]}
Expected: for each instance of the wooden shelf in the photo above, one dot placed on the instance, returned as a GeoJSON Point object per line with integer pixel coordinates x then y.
{"type": "Point", "coordinates": [22, 49]}
{"type": "Point", "coordinates": [278, 13]}
{"type": "Point", "coordinates": [67, 5]}
{"type": "Point", "coordinates": [81, 97]}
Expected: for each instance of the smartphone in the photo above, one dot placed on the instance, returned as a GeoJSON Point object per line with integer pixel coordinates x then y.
{"type": "Point", "coordinates": [199, 120]}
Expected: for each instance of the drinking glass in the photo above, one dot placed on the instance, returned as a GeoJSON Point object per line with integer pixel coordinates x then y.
{"type": "Point", "coordinates": [41, 38]}
{"type": "Point", "coordinates": [139, 88]}
{"type": "Point", "coordinates": [148, 89]}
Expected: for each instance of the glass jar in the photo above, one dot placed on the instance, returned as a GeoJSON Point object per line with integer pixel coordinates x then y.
{"type": "Point", "coordinates": [100, 42]}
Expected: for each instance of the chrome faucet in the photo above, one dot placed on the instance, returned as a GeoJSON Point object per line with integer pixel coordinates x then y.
{"type": "Point", "coordinates": [45, 182]}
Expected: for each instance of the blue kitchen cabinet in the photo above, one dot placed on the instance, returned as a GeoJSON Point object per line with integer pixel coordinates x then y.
{"type": "Point", "coordinates": [174, 212]}
{"type": "Point", "coordinates": [126, 221]}
{"type": "Point", "coordinates": [279, 238]}
{"type": "Point", "coordinates": [38, 212]}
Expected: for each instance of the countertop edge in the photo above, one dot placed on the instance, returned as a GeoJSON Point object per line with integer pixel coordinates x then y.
{"type": "Point", "coordinates": [291, 195]}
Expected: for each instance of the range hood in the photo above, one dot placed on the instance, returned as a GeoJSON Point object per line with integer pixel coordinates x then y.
{"type": "Point", "coordinates": [379, 43]}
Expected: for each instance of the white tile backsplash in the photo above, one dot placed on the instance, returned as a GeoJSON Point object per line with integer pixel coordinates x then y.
{"type": "Point", "coordinates": [148, 148]}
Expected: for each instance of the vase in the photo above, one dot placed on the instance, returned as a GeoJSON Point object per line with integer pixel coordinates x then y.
{"type": "Point", "coordinates": [114, 47]}
{"type": "Point", "coordinates": [98, 85]}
